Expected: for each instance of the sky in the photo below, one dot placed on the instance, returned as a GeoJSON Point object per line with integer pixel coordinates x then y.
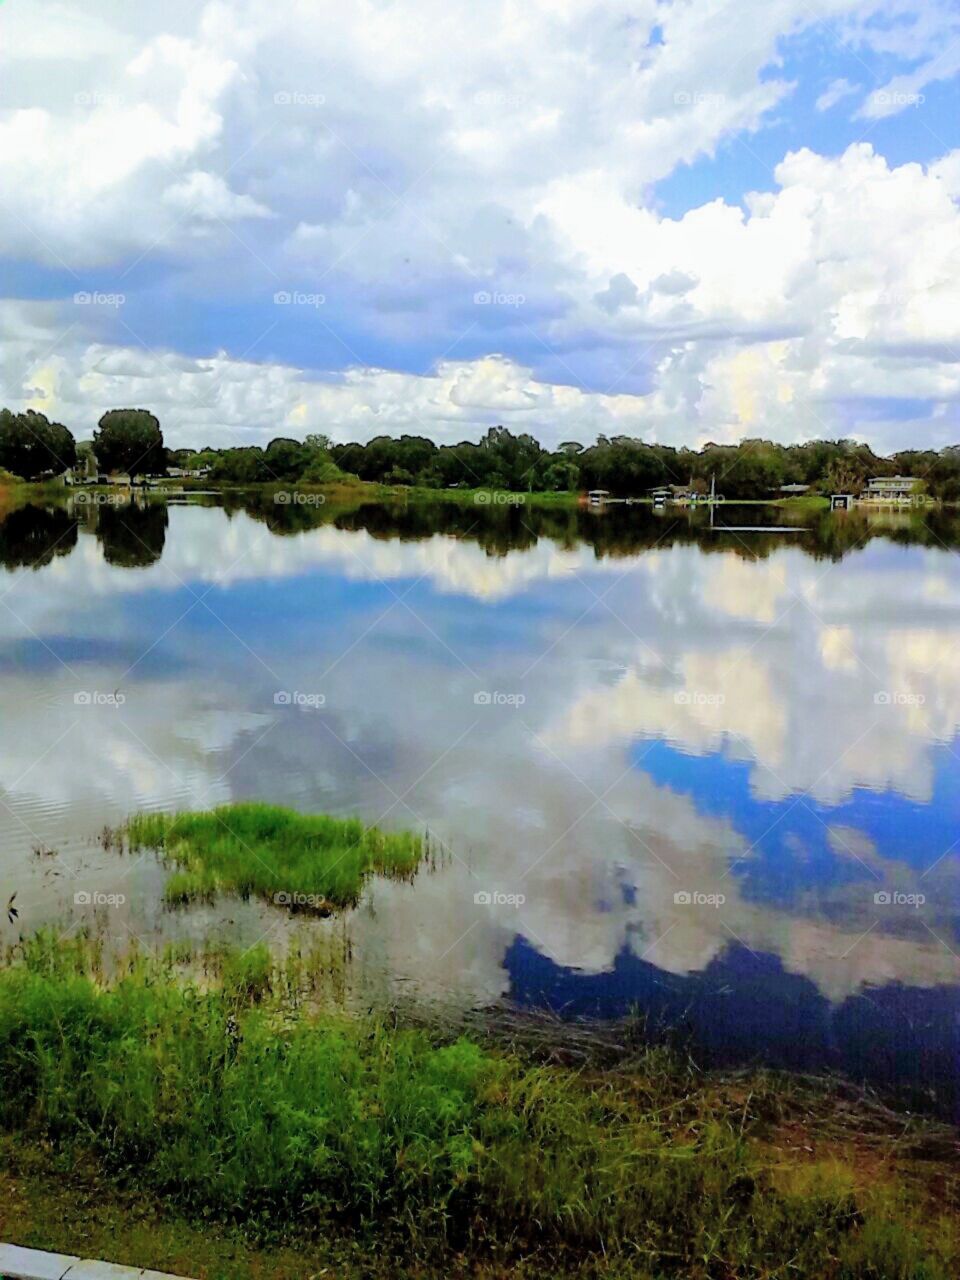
{"type": "Point", "coordinates": [684, 220]}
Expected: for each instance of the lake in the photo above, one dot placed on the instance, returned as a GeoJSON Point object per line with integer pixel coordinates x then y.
{"type": "Point", "coordinates": [704, 774]}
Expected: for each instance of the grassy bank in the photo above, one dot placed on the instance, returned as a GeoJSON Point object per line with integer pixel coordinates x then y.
{"type": "Point", "coordinates": [15, 492]}
{"type": "Point", "coordinates": [405, 1151]}
{"type": "Point", "coordinates": [489, 497]}
{"type": "Point", "coordinates": [8, 497]}
{"type": "Point", "coordinates": [306, 861]}
{"type": "Point", "coordinates": [807, 504]}
{"type": "Point", "coordinates": [343, 486]}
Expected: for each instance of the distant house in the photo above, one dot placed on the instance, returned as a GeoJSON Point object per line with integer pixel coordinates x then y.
{"type": "Point", "coordinates": [187, 473]}
{"type": "Point", "coordinates": [85, 471]}
{"type": "Point", "coordinates": [893, 489]}
{"type": "Point", "coordinates": [794, 490]}
{"type": "Point", "coordinates": [88, 471]}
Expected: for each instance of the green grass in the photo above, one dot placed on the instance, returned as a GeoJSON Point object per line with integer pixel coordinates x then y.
{"type": "Point", "coordinates": [805, 502]}
{"type": "Point", "coordinates": [225, 1104]}
{"type": "Point", "coordinates": [301, 861]}
{"type": "Point", "coordinates": [54, 1201]}
{"type": "Point", "coordinates": [489, 497]}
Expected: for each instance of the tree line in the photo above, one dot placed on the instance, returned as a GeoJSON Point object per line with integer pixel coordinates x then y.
{"type": "Point", "coordinates": [131, 441]}
{"type": "Point", "coordinates": [627, 466]}
{"type": "Point", "coordinates": [623, 465]}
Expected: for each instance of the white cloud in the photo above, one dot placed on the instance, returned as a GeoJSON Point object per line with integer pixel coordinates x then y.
{"type": "Point", "coordinates": [207, 196]}
{"type": "Point", "coordinates": [834, 93]}
{"type": "Point", "coordinates": [400, 159]}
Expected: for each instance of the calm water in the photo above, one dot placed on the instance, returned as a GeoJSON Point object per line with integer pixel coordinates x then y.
{"type": "Point", "coordinates": [711, 774]}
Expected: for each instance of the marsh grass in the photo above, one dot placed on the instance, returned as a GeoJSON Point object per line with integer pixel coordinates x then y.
{"type": "Point", "coordinates": [229, 1101]}
{"type": "Point", "coordinates": [484, 496]}
{"type": "Point", "coordinates": [309, 862]}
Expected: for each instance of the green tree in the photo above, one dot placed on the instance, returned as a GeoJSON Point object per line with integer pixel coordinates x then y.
{"type": "Point", "coordinates": [241, 466]}
{"type": "Point", "coordinates": [286, 459]}
{"type": "Point", "coordinates": [562, 476]}
{"type": "Point", "coordinates": [130, 440]}
{"type": "Point", "coordinates": [507, 460]}
{"type": "Point", "coordinates": [193, 461]}
{"type": "Point", "coordinates": [843, 475]}
{"type": "Point", "coordinates": [320, 466]}
{"type": "Point", "coordinates": [33, 447]}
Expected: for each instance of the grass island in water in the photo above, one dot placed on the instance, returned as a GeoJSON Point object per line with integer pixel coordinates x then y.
{"type": "Point", "coordinates": [306, 861]}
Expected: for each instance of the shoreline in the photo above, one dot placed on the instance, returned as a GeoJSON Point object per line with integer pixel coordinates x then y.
{"type": "Point", "coordinates": [807, 1134]}
{"type": "Point", "coordinates": [223, 1126]}
{"type": "Point", "coordinates": [358, 492]}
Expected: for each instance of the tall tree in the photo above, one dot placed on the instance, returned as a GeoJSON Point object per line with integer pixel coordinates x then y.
{"type": "Point", "coordinates": [129, 440]}
{"type": "Point", "coordinates": [33, 447]}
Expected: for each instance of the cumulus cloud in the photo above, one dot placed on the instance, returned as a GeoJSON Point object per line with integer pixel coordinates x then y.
{"type": "Point", "coordinates": [410, 162]}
